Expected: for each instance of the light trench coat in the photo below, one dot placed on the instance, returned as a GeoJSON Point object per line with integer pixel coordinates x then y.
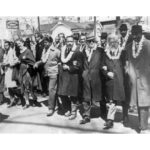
{"type": "Point", "coordinates": [139, 73]}
{"type": "Point", "coordinates": [9, 59]}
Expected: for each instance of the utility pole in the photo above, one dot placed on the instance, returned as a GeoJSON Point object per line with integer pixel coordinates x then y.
{"type": "Point", "coordinates": [95, 27]}
{"type": "Point", "coordinates": [117, 21]}
{"type": "Point", "coordinates": [38, 20]}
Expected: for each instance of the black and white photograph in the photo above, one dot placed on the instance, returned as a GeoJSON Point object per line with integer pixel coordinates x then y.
{"type": "Point", "coordinates": [75, 74]}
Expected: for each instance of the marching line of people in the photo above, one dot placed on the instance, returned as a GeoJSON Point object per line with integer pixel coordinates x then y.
{"type": "Point", "coordinates": [76, 71]}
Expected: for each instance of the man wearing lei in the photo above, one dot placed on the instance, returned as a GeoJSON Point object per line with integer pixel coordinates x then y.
{"type": "Point", "coordinates": [139, 72]}
{"type": "Point", "coordinates": [69, 72]}
{"type": "Point", "coordinates": [125, 40]}
{"type": "Point", "coordinates": [113, 78]}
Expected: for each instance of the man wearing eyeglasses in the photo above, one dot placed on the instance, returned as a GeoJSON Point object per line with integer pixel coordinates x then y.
{"type": "Point", "coordinates": [91, 77]}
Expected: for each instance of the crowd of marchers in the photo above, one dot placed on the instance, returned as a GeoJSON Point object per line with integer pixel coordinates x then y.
{"type": "Point", "coordinates": [80, 71]}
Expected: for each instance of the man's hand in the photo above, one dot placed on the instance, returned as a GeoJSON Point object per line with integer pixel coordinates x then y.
{"type": "Point", "coordinates": [111, 75]}
{"type": "Point", "coordinates": [65, 67]}
{"type": "Point", "coordinates": [35, 65]}
{"type": "Point", "coordinates": [104, 68]}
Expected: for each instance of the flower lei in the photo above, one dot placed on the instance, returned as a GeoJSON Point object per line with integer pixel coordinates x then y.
{"type": "Point", "coordinates": [125, 41]}
{"type": "Point", "coordinates": [117, 53]}
{"type": "Point", "coordinates": [135, 54]}
{"type": "Point", "coordinates": [66, 59]}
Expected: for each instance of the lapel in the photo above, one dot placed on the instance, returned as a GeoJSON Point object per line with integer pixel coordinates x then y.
{"type": "Point", "coordinates": [93, 56]}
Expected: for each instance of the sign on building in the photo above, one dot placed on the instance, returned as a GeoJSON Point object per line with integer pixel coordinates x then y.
{"type": "Point", "coordinates": [12, 24]}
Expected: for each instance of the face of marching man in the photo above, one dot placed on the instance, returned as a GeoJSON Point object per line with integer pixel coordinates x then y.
{"type": "Point", "coordinates": [83, 40]}
{"type": "Point", "coordinates": [91, 43]}
{"type": "Point", "coordinates": [20, 44]}
{"type": "Point", "coordinates": [113, 43]}
{"type": "Point", "coordinates": [69, 42]}
{"type": "Point", "coordinates": [123, 33]}
{"type": "Point", "coordinates": [137, 37]}
{"type": "Point", "coordinates": [6, 46]}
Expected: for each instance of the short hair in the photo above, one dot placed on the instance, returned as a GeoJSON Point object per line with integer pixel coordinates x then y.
{"type": "Point", "coordinates": [76, 36]}
{"type": "Point", "coordinates": [39, 35]}
{"type": "Point", "coordinates": [104, 35]}
{"type": "Point", "coordinates": [123, 27]}
{"type": "Point", "coordinates": [8, 42]}
{"type": "Point", "coordinates": [48, 39]}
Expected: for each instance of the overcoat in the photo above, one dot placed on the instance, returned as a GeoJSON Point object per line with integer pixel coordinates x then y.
{"type": "Point", "coordinates": [114, 88]}
{"type": "Point", "coordinates": [139, 73]}
{"type": "Point", "coordinates": [92, 76]}
{"type": "Point", "coordinates": [69, 80]}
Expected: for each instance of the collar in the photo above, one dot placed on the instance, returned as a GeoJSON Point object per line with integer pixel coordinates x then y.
{"type": "Point", "coordinates": [52, 48]}
{"type": "Point", "coordinates": [40, 40]}
{"type": "Point", "coordinates": [23, 50]}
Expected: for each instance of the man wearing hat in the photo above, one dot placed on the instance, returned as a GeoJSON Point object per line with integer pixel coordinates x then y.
{"type": "Point", "coordinates": [91, 77]}
{"type": "Point", "coordinates": [103, 39]}
{"type": "Point", "coordinates": [138, 69]}
{"type": "Point", "coordinates": [125, 40]}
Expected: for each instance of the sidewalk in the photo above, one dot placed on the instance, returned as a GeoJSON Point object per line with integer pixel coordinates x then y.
{"type": "Point", "coordinates": [34, 120]}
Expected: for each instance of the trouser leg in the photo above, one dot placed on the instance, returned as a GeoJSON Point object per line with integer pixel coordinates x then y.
{"type": "Point", "coordinates": [1, 97]}
{"type": "Point", "coordinates": [52, 93]}
{"type": "Point", "coordinates": [143, 117]}
{"type": "Point", "coordinates": [86, 109]}
{"type": "Point", "coordinates": [73, 105]}
{"type": "Point", "coordinates": [11, 94]}
{"type": "Point", "coordinates": [26, 96]}
{"type": "Point", "coordinates": [111, 111]}
{"type": "Point", "coordinates": [66, 103]}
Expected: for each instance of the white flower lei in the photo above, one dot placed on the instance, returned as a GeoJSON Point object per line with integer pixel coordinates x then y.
{"type": "Point", "coordinates": [136, 54]}
{"type": "Point", "coordinates": [117, 53]}
{"type": "Point", "coordinates": [125, 41]}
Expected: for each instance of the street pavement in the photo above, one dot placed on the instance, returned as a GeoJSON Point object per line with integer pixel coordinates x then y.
{"type": "Point", "coordinates": [34, 120]}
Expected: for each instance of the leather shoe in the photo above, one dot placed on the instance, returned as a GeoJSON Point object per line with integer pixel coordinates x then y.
{"type": "Point", "coordinates": [85, 120]}
{"type": "Point", "coordinates": [51, 112]}
{"type": "Point", "coordinates": [72, 117]}
{"type": "Point", "coordinates": [68, 113]}
{"type": "Point", "coordinates": [26, 106]}
{"type": "Point", "coordinates": [10, 105]}
{"type": "Point", "coordinates": [109, 124]}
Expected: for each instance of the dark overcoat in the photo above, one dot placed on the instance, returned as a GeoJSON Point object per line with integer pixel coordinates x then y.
{"type": "Point", "coordinates": [1, 71]}
{"type": "Point", "coordinates": [69, 80]}
{"type": "Point", "coordinates": [92, 76]}
{"type": "Point", "coordinates": [114, 88]}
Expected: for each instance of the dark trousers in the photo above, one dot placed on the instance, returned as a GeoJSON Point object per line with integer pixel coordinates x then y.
{"type": "Point", "coordinates": [69, 103]}
{"type": "Point", "coordinates": [1, 97]}
{"type": "Point", "coordinates": [125, 104]}
{"type": "Point", "coordinates": [143, 117]}
{"type": "Point", "coordinates": [15, 91]}
{"type": "Point", "coordinates": [86, 109]}
{"type": "Point", "coordinates": [52, 92]}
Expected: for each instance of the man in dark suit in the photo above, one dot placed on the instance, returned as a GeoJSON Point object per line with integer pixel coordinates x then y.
{"type": "Point", "coordinates": [91, 78]}
{"type": "Point", "coordinates": [38, 55]}
{"type": "Point", "coordinates": [125, 40]}
{"type": "Point", "coordinates": [1, 75]}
